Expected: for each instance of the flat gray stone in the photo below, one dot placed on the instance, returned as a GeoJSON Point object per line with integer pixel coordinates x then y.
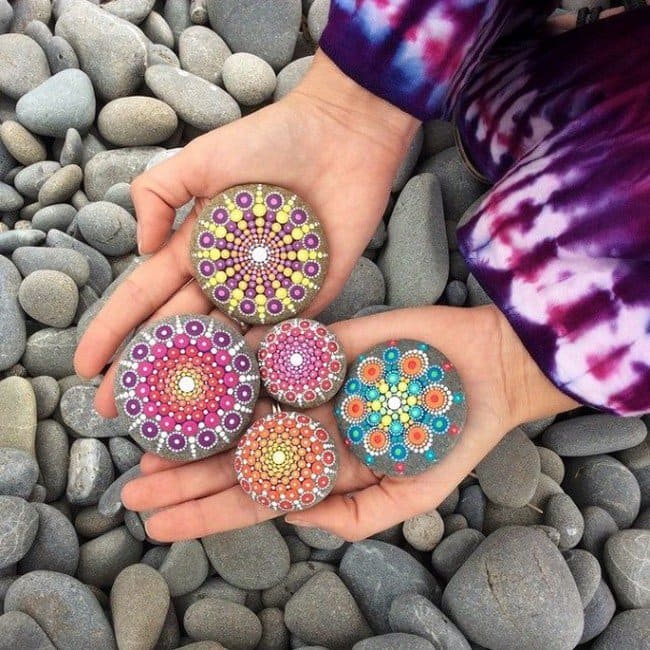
{"type": "Point", "coordinates": [25, 147]}
{"type": "Point", "coordinates": [599, 527]}
{"type": "Point", "coordinates": [161, 55]}
{"type": "Point", "coordinates": [598, 612]}
{"type": "Point", "coordinates": [203, 53]}
{"type": "Point", "coordinates": [216, 588]}
{"type": "Point", "coordinates": [299, 574]}
{"type": "Point", "coordinates": [185, 567]}
{"type": "Point", "coordinates": [64, 101]}
{"type": "Point", "coordinates": [60, 55]}
{"type": "Point", "coordinates": [24, 65]}
{"type": "Point", "coordinates": [110, 502]}
{"type": "Point", "coordinates": [196, 101]}
{"type": "Point", "coordinates": [49, 297]}
{"type": "Point", "coordinates": [13, 336]}
{"type": "Point", "coordinates": [13, 239]}
{"type": "Point", "coordinates": [562, 514]}
{"type": "Point", "coordinates": [394, 641]}
{"type": "Point", "coordinates": [124, 453]}
{"type": "Point", "coordinates": [629, 630]}
{"type": "Point", "coordinates": [53, 458]}
{"type": "Point", "coordinates": [90, 523]}
{"type": "Point", "coordinates": [65, 609]}
{"type": "Point", "coordinates": [423, 532]}
{"type": "Point", "coordinates": [249, 79]}
{"type": "Point", "coordinates": [17, 414]}
{"type": "Point", "coordinates": [157, 30]}
{"type": "Point", "coordinates": [10, 200]}
{"type": "Point", "coordinates": [551, 464]}
{"type": "Point", "coordinates": [318, 538]}
{"type": "Point", "coordinates": [17, 630]}
{"type": "Point", "coordinates": [18, 472]}
{"type": "Point", "coordinates": [625, 557]}
{"type": "Point", "coordinates": [139, 605]}
{"type": "Point", "coordinates": [376, 573]}
{"type": "Point", "coordinates": [29, 259]}
{"type": "Point", "coordinates": [501, 599]}
{"type": "Point", "coordinates": [250, 558]}
{"type": "Point", "coordinates": [290, 76]}
{"type": "Point", "coordinates": [50, 352]}
{"type": "Point", "coordinates": [60, 186]}
{"type": "Point", "coordinates": [90, 471]}
{"type": "Point", "coordinates": [586, 572]}
{"type": "Point", "coordinates": [452, 552]}
{"type": "Point", "coordinates": [18, 526]}
{"type": "Point", "coordinates": [317, 18]}
{"type": "Point", "coordinates": [58, 216]}
{"type": "Point", "coordinates": [107, 227]}
{"type": "Point", "coordinates": [471, 504]}
{"type": "Point", "coordinates": [177, 15]}
{"type": "Point", "coordinates": [416, 239]}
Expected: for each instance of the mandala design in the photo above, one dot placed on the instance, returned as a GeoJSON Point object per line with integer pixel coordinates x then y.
{"type": "Point", "coordinates": [286, 461]}
{"type": "Point", "coordinates": [258, 253]}
{"type": "Point", "coordinates": [401, 408]}
{"type": "Point", "coordinates": [188, 387]}
{"type": "Point", "coordinates": [301, 363]}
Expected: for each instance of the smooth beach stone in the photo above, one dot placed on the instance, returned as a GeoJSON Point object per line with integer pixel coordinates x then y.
{"type": "Point", "coordinates": [6, 16]}
{"type": "Point", "coordinates": [414, 614]}
{"type": "Point", "coordinates": [90, 471]}
{"type": "Point", "coordinates": [454, 523]}
{"type": "Point", "coordinates": [249, 79]}
{"type": "Point", "coordinates": [157, 30]}
{"type": "Point", "coordinates": [107, 227]}
{"type": "Point", "coordinates": [64, 608]}
{"type": "Point", "coordinates": [302, 363]}
{"type": "Point", "coordinates": [17, 630]}
{"type": "Point", "coordinates": [471, 504]}
{"type": "Point", "coordinates": [72, 148]}
{"type": "Point", "coordinates": [159, 54]}
{"type": "Point", "coordinates": [598, 612]}
{"type": "Point", "coordinates": [319, 538]}
{"type": "Point", "coordinates": [637, 460]}
{"type": "Point", "coordinates": [402, 407]}
{"type": "Point", "coordinates": [39, 32]}
{"type": "Point", "coordinates": [90, 523]}
{"type": "Point", "coordinates": [62, 102]}
{"type": "Point", "coordinates": [416, 240]}
{"type": "Point", "coordinates": [394, 641]}
{"type": "Point", "coordinates": [275, 635]}
{"type": "Point", "coordinates": [10, 200]}
{"type": "Point", "coordinates": [124, 453]}
{"type": "Point", "coordinates": [12, 324]}
{"type": "Point", "coordinates": [50, 351]}
{"type": "Point", "coordinates": [551, 464]}
{"type": "Point", "coordinates": [264, 453]}
{"type": "Point", "coordinates": [120, 194]}
{"type": "Point", "coordinates": [598, 528]}
{"type": "Point", "coordinates": [26, 11]}
{"type": "Point", "coordinates": [60, 55]}
{"type": "Point", "coordinates": [136, 121]}
{"type": "Point", "coordinates": [13, 239]}
{"type": "Point", "coordinates": [50, 297]}
{"type": "Point", "coordinates": [629, 630]}
{"type": "Point", "coordinates": [409, 160]}
{"type": "Point", "coordinates": [290, 76]}
{"type": "Point", "coordinates": [177, 16]}
{"type": "Point", "coordinates": [438, 136]}
{"type": "Point", "coordinates": [317, 18]}
{"type": "Point", "coordinates": [376, 573]}
{"type": "Point", "coordinates": [18, 527]}
{"type": "Point", "coordinates": [562, 514]}
{"type": "Point", "coordinates": [61, 185]}
{"type": "Point", "coordinates": [26, 148]}
{"type": "Point", "coordinates": [299, 551]}
{"type": "Point", "coordinates": [17, 414]}
{"type": "Point", "coordinates": [450, 554]}
{"type": "Point", "coordinates": [24, 65]}
{"type": "Point", "coordinates": [135, 11]}
{"type": "Point", "coordinates": [58, 216]}
{"type": "Point", "coordinates": [299, 574]}
{"type": "Point", "coordinates": [207, 368]}
{"type": "Point", "coordinates": [29, 180]}
{"type": "Point", "coordinates": [139, 605]}
{"type": "Point", "coordinates": [185, 567]}
{"type": "Point", "coordinates": [456, 293]}
{"type": "Point", "coordinates": [18, 472]}
{"type": "Point", "coordinates": [625, 557]}
{"type": "Point", "coordinates": [501, 599]}
{"type": "Point", "coordinates": [110, 502]}
{"type": "Point", "coordinates": [423, 532]}
{"type": "Point", "coordinates": [53, 457]}
{"type": "Point", "coordinates": [197, 102]}
{"type": "Point", "coordinates": [586, 572]}
{"type": "Point", "coordinates": [30, 259]}
{"type": "Point", "coordinates": [277, 239]}
{"type": "Point", "coordinates": [80, 416]}
{"type": "Point", "coordinates": [211, 588]}
{"type": "Point", "coordinates": [203, 53]}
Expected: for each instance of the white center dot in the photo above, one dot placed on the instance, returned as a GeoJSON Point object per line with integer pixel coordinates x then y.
{"type": "Point", "coordinates": [259, 254]}
{"type": "Point", "coordinates": [296, 359]}
{"type": "Point", "coordinates": [279, 457]}
{"type": "Point", "coordinates": [394, 403]}
{"type": "Point", "coordinates": [186, 384]}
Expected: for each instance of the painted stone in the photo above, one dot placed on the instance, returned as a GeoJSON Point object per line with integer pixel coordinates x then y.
{"type": "Point", "coordinates": [188, 386]}
{"type": "Point", "coordinates": [402, 407]}
{"type": "Point", "coordinates": [259, 253]}
{"type": "Point", "coordinates": [302, 363]}
{"type": "Point", "coordinates": [286, 461]}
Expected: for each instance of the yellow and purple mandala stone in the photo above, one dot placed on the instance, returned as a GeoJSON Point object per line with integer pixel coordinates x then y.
{"type": "Point", "coordinates": [259, 253]}
{"type": "Point", "coordinates": [402, 407]}
{"type": "Point", "coordinates": [286, 461]}
{"type": "Point", "coordinates": [188, 386]}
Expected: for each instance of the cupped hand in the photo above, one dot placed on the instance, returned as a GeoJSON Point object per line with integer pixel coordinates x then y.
{"type": "Point", "coordinates": [330, 141]}
{"type": "Point", "coordinates": [503, 385]}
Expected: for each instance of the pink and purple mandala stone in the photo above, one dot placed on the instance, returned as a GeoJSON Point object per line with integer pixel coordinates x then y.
{"type": "Point", "coordinates": [302, 363]}
{"type": "Point", "coordinates": [188, 386]}
{"type": "Point", "coordinates": [259, 253]}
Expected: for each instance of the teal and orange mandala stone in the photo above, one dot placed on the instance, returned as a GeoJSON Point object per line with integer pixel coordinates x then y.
{"type": "Point", "coordinates": [259, 253]}
{"type": "Point", "coordinates": [402, 407]}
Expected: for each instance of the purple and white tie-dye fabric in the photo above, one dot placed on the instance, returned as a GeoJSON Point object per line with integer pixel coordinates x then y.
{"type": "Point", "coordinates": [562, 125]}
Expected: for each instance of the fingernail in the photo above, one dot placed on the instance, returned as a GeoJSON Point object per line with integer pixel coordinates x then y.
{"type": "Point", "coordinates": [138, 238]}
{"type": "Point", "coordinates": [299, 522]}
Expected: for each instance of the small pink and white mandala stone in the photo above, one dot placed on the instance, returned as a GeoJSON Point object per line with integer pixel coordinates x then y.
{"type": "Point", "coordinates": [188, 386]}
{"type": "Point", "coordinates": [302, 363]}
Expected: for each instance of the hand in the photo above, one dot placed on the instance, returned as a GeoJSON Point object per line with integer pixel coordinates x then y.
{"type": "Point", "coordinates": [504, 388]}
{"type": "Point", "coordinates": [334, 143]}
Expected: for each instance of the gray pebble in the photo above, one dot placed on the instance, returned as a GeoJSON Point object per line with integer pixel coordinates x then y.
{"type": "Point", "coordinates": [317, 18]}
{"type": "Point", "coordinates": [135, 11]}
{"type": "Point", "coordinates": [28, 181]}
{"type": "Point", "coordinates": [135, 525]}
{"type": "Point", "coordinates": [414, 614]}
{"type": "Point", "coordinates": [203, 53]}
{"type": "Point", "coordinates": [372, 310]}
{"type": "Point", "coordinates": [64, 101]}
{"type": "Point", "coordinates": [321, 555]}
{"type": "Point", "coordinates": [91, 146]}
{"type": "Point", "coordinates": [454, 523]}
{"type": "Point", "coordinates": [249, 79]}
{"type": "Point", "coordinates": [197, 101]}
{"type": "Point", "coordinates": [110, 50]}
{"type": "Point", "coordinates": [376, 573]}
{"type": "Point", "coordinates": [594, 434]}
{"type": "Point", "coordinates": [60, 55]}
{"type": "Point", "coordinates": [72, 148]}
{"type": "Point", "coordinates": [237, 556]}
{"type": "Point", "coordinates": [202, 645]}
{"type": "Point", "coordinates": [58, 216]}
{"type": "Point", "coordinates": [185, 567]}
{"type": "Point", "coordinates": [458, 269]}
{"type": "Point", "coordinates": [13, 239]}
{"type": "Point", "coordinates": [290, 76]}
{"type": "Point", "coordinates": [39, 32]}
{"type": "Point", "coordinates": [90, 471]}
{"type": "Point", "coordinates": [18, 526]}
{"type": "Point", "coordinates": [103, 558]}
{"type": "Point", "coordinates": [318, 538]}
{"type": "Point", "coordinates": [599, 527]}
{"type": "Point", "coordinates": [177, 15]}
{"type": "Point", "coordinates": [275, 635]}
{"type": "Point", "coordinates": [124, 453]}
{"type": "Point", "coordinates": [268, 31]}
{"type": "Point", "coordinates": [65, 608]}
{"type": "Point", "coordinates": [215, 588]}
{"type": "Point", "coordinates": [61, 185]}
{"type": "Point", "coordinates": [298, 550]}
{"type": "Point", "coordinates": [12, 324]}
{"type": "Point", "coordinates": [456, 293]}
{"type": "Point", "coordinates": [562, 514]}
{"type": "Point", "coordinates": [10, 200]}
{"type": "Point", "coordinates": [509, 474]}
{"type": "Point", "coordinates": [50, 297]}
{"type": "Point", "coordinates": [452, 552]}
{"type": "Point", "coordinates": [22, 224]}
{"type": "Point", "coordinates": [629, 630]}
{"type": "Point", "coordinates": [24, 65]}
{"type": "Point", "coordinates": [47, 393]}
{"type": "Point", "coordinates": [106, 168]}
{"type": "Point", "coordinates": [500, 599]}
{"type": "Point", "coordinates": [637, 460]}
{"type": "Point", "coordinates": [18, 472]}
{"type": "Point", "coordinates": [55, 547]}
{"type": "Point", "coordinates": [534, 428]}
{"type": "Point", "coordinates": [423, 532]}
{"type": "Point", "coordinates": [625, 557]}
{"type": "Point", "coordinates": [38, 494]}
{"type": "Point", "coordinates": [586, 572]}
{"type": "Point", "coordinates": [90, 523]}
{"type": "Point", "coordinates": [30, 259]}
{"type": "Point", "coordinates": [157, 30]}
{"type": "Point", "coordinates": [139, 605]}
{"type": "Point", "coordinates": [50, 352]}
{"type": "Point", "coordinates": [6, 16]}
{"type": "Point", "coordinates": [79, 414]}
{"type": "Point", "coordinates": [110, 502]}
{"type": "Point", "coordinates": [158, 54]}
{"type": "Point", "coordinates": [120, 194]}
{"type": "Point", "coordinates": [299, 574]}
{"type": "Point", "coordinates": [410, 159]}
{"type": "Point", "coordinates": [17, 630]}
{"type": "Point", "coordinates": [364, 287]}
{"type": "Point", "coordinates": [551, 464]}
{"type": "Point", "coordinates": [394, 641]}
{"type": "Point", "coordinates": [107, 227]}
{"type": "Point", "coordinates": [7, 161]}
{"type": "Point", "coordinates": [53, 457]}
{"type": "Point", "coordinates": [25, 11]}
{"type": "Point", "coordinates": [438, 136]}
{"type": "Point", "coordinates": [477, 295]}
{"type": "Point", "coordinates": [199, 11]}
{"type": "Point", "coordinates": [598, 612]}
{"type": "Point", "coordinates": [605, 482]}
{"type": "Point", "coordinates": [306, 617]}
{"type": "Point", "coordinates": [17, 414]}
{"type": "Point", "coordinates": [26, 148]}
{"type": "Point", "coordinates": [416, 239]}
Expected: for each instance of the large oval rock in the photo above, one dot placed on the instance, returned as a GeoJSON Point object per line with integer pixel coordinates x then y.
{"type": "Point", "coordinates": [563, 515]}
{"type": "Point", "coordinates": [24, 65]}
{"type": "Point", "coordinates": [17, 414]}
{"type": "Point", "coordinates": [203, 53]}
{"type": "Point", "coordinates": [79, 414]}
{"type": "Point", "coordinates": [185, 567]}
{"type": "Point", "coordinates": [626, 557]}
{"type": "Point", "coordinates": [454, 550]}
{"type": "Point", "coordinates": [111, 51]}
{"type": "Point", "coordinates": [29, 180]}
{"type": "Point", "coordinates": [376, 573]}
{"type": "Point", "coordinates": [629, 630]}
{"type": "Point", "coordinates": [49, 297]}
{"type": "Point", "coordinates": [17, 630]}
{"type": "Point", "coordinates": [33, 258]}
{"type": "Point", "coordinates": [50, 352]}
{"type": "Point", "coordinates": [18, 526]}
{"type": "Point", "coordinates": [516, 591]}
{"type": "Point", "coordinates": [299, 574]}
{"type": "Point", "coordinates": [417, 239]}
{"type": "Point", "coordinates": [18, 472]}
{"type": "Point", "coordinates": [65, 608]}
{"type": "Point", "coordinates": [12, 325]}
{"type": "Point", "coordinates": [107, 227]}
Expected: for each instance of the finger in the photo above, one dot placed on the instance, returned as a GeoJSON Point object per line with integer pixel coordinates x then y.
{"type": "Point", "coordinates": [150, 463]}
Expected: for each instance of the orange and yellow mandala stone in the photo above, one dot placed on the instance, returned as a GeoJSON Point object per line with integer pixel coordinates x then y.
{"type": "Point", "coordinates": [286, 461]}
{"type": "Point", "coordinates": [259, 253]}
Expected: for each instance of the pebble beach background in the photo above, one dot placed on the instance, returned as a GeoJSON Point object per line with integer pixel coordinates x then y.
{"type": "Point", "coordinates": [547, 546]}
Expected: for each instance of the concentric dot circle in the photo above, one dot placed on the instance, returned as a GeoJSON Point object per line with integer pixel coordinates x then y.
{"type": "Point", "coordinates": [401, 408]}
{"type": "Point", "coordinates": [259, 253]}
{"type": "Point", "coordinates": [286, 461]}
{"type": "Point", "coordinates": [188, 386]}
{"type": "Point", "coordinates": [302, 363]}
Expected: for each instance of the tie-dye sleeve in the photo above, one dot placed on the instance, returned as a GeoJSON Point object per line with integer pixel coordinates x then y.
{"type": "Point", "coordinates": [417, 54]}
